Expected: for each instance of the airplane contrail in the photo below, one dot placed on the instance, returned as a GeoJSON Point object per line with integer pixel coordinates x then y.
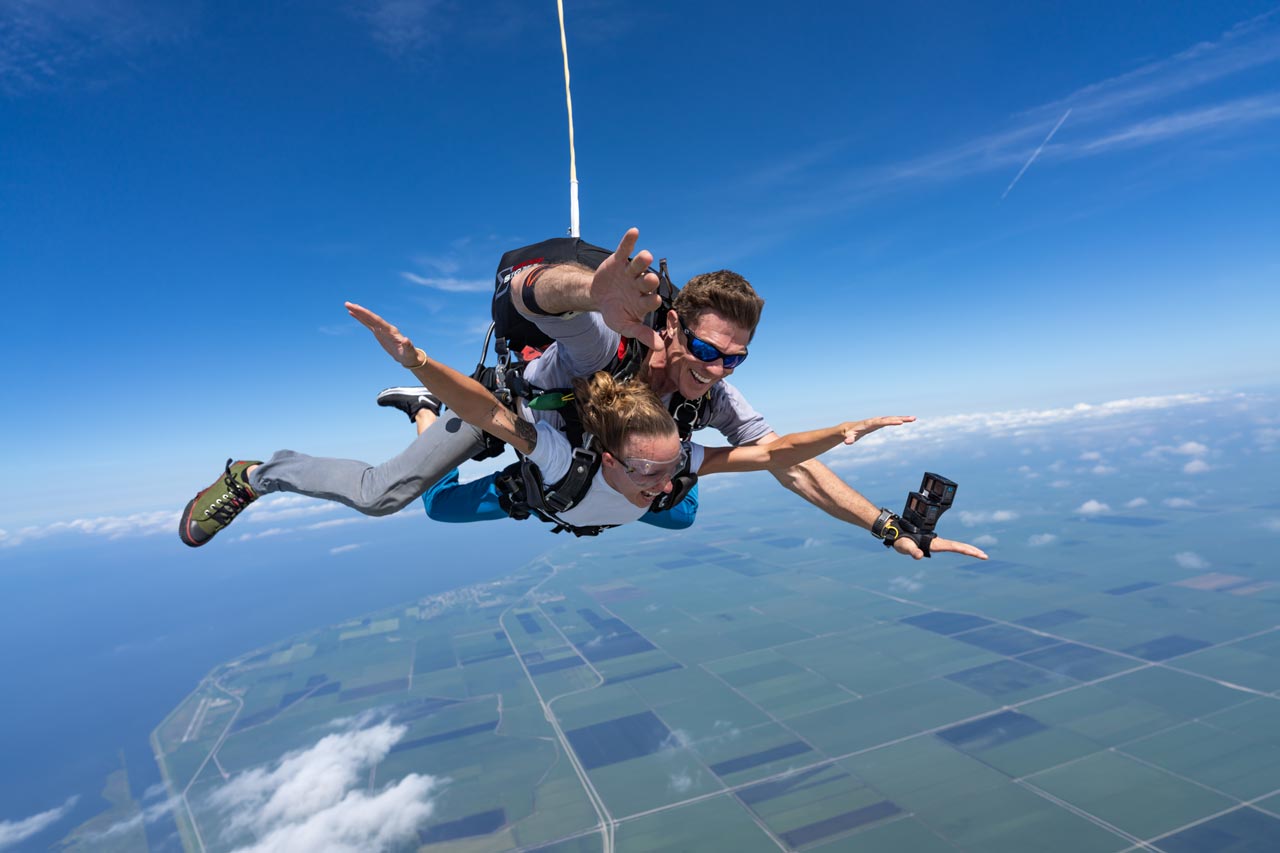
{"type": "Point", "coordinates": [1036, 154]}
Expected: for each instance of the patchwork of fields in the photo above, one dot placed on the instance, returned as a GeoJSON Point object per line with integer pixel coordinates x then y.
{"type": "Point", "coordinates": [768, 690]}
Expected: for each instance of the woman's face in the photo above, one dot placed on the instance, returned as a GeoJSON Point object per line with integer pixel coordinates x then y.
{"type": "Point", "coordinates": [644, 466]}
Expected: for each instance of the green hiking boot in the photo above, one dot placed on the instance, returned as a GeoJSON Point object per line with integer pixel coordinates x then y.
{"type": "Point", "coordinates": [218, 505]}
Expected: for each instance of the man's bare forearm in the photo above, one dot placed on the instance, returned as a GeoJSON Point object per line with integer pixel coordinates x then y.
{"type": "Point", "coordinates": [557, 289]}
{"type": "Point", "coordinates": [819, 485]}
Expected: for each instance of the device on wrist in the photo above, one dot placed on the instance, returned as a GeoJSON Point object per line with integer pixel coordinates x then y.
{"type": "Point", "coordinates": [887, 526]}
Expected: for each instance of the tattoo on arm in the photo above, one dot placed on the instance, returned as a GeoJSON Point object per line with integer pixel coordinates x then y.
{"type": "Point", "coordinates": [527, 431]}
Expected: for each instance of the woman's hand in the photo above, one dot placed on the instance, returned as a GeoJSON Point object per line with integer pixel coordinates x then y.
{"type": "Point", "coordinates": [855, 430]}
{"type": "Point", "coordinates": [395, 342]}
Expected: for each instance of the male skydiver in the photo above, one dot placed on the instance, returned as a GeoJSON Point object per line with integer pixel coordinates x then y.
{"type": "Point", "coordinates": [587, 312]}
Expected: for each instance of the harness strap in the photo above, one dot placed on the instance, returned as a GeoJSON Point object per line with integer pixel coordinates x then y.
{"type": "Point", "coordinates": [522, 491]}
{"type": "Point", "coordinates": [686, 412]}
{"type": "Point", "coordinates": [573, 486]}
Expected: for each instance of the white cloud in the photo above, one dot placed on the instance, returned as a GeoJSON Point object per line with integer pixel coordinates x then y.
{"type": "Point", "coordinates": [287, 508]}
{"type": "Point", "coordinates": [725, 730]}
{"type": "Point", "coordinates": [148, 815]}
{"type": "Point", "coordinates": [16, 831]}
{"type": "Point", "coordinates": [342, 549]}
{"type": "Point", "coordinates": [1272, 524]}
{"type": "Point", "coordinates": [940, 430]}
{"type": "Point", "coordinates": [1103, 469]}
{"type": "Point", "coordinates": [1135, 503]}
{"type": "Point", "coordinates": [986, 540]}
{"type": "Point", "coordinates": [972, 518]}
{"type": "Point", "coordinates": [1091, 456]}
{"type": "Point", "coordinates": [1179, 503]}
{"type": "Point", "coordinates": [902, 583]}
{"type": "Point", "coordinates": [1195, 466]}
{"type": "Point", "coordinates": [1092, 507]}
{"type": "Point", "coordinates": [450, 284]}
{"type": "Point", "coordinates": [263, 534]}
{"type": "Point", "coordinates": [1039, 540]}
{"type": "Point", "coordinates": [676, 739]}
{"type": "Point", "coordinates": [108, 526]}
{"type": "Point", "coordinates": [316, 799]}
{"type": "Point", "coordinates": [680, 782]}
{"type": "Point", "coordinates": [1190, 560]}
{"type": "Point", "coordinates": [1060, 484]}
{"type": "Point", "coordinates": [1191, 448]}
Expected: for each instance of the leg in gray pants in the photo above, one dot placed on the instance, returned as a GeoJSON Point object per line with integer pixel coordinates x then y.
{"type": "Point", "coordinates": [373, 489]}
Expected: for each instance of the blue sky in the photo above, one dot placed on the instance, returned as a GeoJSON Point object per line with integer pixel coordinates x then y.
{"type": "Point", "coordinates": [188, 192]}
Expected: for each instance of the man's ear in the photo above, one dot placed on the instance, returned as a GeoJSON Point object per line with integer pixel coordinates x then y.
{"type": "Point", "coordinates": [673, 323]}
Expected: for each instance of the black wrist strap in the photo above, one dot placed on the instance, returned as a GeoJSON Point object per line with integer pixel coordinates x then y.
{"type": "Point", "coordinates": [907, 530]}
{"type": "Point", "coordinates": [887, 526]}
{"type": "Point", "coordinates": [526, 292]}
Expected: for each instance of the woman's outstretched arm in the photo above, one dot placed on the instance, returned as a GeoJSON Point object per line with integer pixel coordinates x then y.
{"type": "Point", "coordinates": [467, 398]}
{"type": "Point", "coordinates": [792, 449]}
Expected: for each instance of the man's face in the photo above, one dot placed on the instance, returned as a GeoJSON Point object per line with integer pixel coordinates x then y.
{"type": "Point", "coordinates": [692, 376]}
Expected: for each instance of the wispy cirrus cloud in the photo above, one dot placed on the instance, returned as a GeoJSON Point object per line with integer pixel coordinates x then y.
{"type": "Point", "coordinates": [13, 832]}
{"type": "Point", "coordinates": [404, 27]}
{"type": "Point", "coordinates": [51, 43]}
{"type": "Point", "coordinates": [1124, 112]}
{"type": "Point", "coordinates": [450, 284]}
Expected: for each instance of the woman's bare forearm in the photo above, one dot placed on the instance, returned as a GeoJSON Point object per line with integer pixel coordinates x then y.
{"type": "Point", "coordinates": [472, 402]}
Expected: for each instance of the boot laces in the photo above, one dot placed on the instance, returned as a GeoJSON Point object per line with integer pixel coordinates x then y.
{"type": "Point", "coordinates": [238, 496]}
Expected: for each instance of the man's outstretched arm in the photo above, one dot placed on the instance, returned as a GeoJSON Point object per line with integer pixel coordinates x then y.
{"type": "Point", "coordinates": [621, 289]}
{"type": "Point", "coordinates": [819, 485]}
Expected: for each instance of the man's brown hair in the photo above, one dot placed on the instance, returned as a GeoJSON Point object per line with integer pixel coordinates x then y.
{"type": "Point", "coordinates": [725, 292]}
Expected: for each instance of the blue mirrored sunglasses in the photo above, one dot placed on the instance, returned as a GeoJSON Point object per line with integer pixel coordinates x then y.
{"type": "Point", "coordinates": [704, 351]}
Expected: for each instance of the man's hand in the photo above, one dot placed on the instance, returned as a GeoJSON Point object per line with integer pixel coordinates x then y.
{"type": "Point", "coordinates": [624, 291]}
{"type": "Point", "coordinates": [855, 430]}
{"type": "Point", "coordinates": [903, 545]}
{"type": "Point", "coordinates": [395, 342]}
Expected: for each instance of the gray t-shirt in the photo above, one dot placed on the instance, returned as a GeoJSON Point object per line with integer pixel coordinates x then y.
{"type": "Point", "coordinates": [584, 344]}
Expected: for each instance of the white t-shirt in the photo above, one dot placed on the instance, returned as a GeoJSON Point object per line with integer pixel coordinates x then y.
{"type": "Point", "coordinates": [552, 453]}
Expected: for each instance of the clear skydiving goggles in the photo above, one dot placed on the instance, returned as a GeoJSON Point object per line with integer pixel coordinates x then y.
{"type": "Point", "coordinates": [651, 472]}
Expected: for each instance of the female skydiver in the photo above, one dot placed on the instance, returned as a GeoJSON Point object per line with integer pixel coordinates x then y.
{"type": "Point", "coordinates": [640, 448]}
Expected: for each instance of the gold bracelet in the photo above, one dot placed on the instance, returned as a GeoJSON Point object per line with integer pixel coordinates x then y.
{"type": "Point", "coordinates": [422, 360]}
